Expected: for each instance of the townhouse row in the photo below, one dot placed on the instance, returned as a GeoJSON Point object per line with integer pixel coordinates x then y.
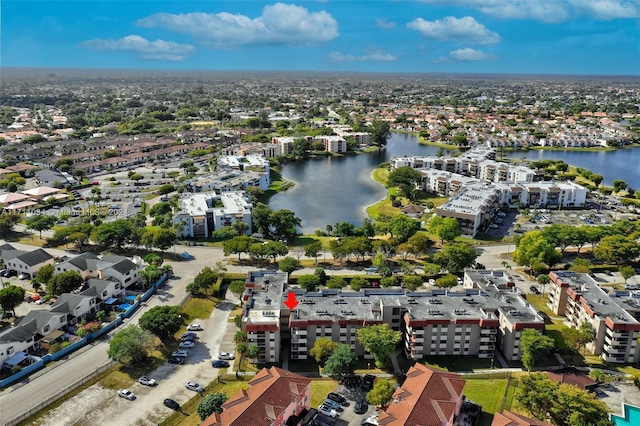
{"type": "Point", "coordinates": [106, 279]}
{"type": "Point", "coordinates": [488, 315]}
{"type": "Point", "coordinates": [614, 315]}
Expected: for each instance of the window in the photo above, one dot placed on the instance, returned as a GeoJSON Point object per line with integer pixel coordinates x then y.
{"type": "Point", "coordinates": [46, 328]}
{"type": "Point", "coordinates": [63, 318]}
{"type": "Point", "coordinates": [10, 350]}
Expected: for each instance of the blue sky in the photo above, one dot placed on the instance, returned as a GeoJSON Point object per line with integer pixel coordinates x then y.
{"type": "Point", "coordinates": [430, 36]}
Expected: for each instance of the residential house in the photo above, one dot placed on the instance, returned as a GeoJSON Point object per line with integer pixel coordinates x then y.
{"type": "Point", "coordinates": [428, 397]}
{"type": "Point", "coordinates": [75, 306]}
{"type": "Point", "coordinates": [17, 339]}
{"type": "Point", "coordinates": [26, 262]}
{"type": "Point", "coordinates": [122, 269]}
{"type": "Point", "coordinates": [103, 290]}
{"type": "Point", "coordinates": [274, 395]}
{"type": "Point", "coordinates": [86, 264]}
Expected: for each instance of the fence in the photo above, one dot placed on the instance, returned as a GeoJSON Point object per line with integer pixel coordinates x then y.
{"type": "Point", "coordinates": [71, 348]}
{"type": "Point", "coordinates": [60, 394]}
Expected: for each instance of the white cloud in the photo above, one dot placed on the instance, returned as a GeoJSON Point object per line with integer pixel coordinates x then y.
{"type": "Point", "coordinates": [465, 29]}
{"type": "Point", "coordinates": [279, 24]}
{"type": "Point", "coordinates": [143, 48]}
{"type": "Point", "coordinates": [607, 9]}
{"type": "Point", "coordinates": [465, 55]}
{"type": "Point", "coordinates": [551, 11]}
{"type": "Point", "coordinates": [373, 55]}
{"type": "Point", "coordinates": [383, 23]}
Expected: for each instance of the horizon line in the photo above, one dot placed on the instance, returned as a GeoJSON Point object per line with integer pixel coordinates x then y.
{"type": "Point", "coordinates": [257, 71]}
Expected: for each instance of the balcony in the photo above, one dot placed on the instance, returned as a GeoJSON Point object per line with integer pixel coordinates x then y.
{"type": "Point", "coordinates": [487, 347]}
{"type": "Point", "coordinates": [486, 331]}
{"type": "Point", "coordinates": [482, 354]}
{"type": "Point", "coordinates": [488, 338]}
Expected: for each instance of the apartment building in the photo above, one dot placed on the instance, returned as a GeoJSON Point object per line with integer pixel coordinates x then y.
{"type": "Point", "coordinates": [474, 206]}
{"type": "Point", "coordinates": [579, 298]}
{"type": "Point", "coordinates": [333, 143]}
{"type": "Point", "coordinates": [476, 321]}
{"type": "Point", "coordinates": [202, 213]}
{"type": "Point", "coordinates": [229, 180]}
{"type": "Point", "coordinates": [284, 144]}
{"type": "Point", "coordinates": [244, 162]}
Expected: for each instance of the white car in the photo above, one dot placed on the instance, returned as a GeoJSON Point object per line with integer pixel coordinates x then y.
{"type": "Point", "coordinates": [226, 356]}
{"type": "Point", "coordinates": [126, 394]}
{"type": "Point", "coordinates": [327, 411]}
{"type": "Point", "coordinates": [147, 381]}
{"type": "Point", "coordinates": [194, 327]}
{"type": "Point", "coordinates": [180, 353]}
{"type": "Point", "coordinates": [23, 277]}
{"type": "Point", "coordinates": [186, 345]}
{"type": "Point", "coordinates": [194, 387]}
{"type": "Point", "coordinates": [432, 281]}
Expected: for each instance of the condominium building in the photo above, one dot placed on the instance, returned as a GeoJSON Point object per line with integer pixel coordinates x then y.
{"type": "Point", "coordinates": [474, 206]}
{"type": "Point", "coordinates": [244, 162]}
{"type": "Point", "coordinates": [203, 213]}
{"type": "Point", "coordinates": [475, 321]}
{"type": "Point", "coordinates": [579, 298]}
{"type": "Point", "coordinates": [333, 143]}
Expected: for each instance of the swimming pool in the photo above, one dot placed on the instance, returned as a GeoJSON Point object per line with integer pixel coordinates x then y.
{"type": "Point", "coordinates": [631, 416]}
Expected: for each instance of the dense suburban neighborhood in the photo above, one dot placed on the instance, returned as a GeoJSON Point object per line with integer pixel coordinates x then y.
{"type": "Point", "coordinates": [147, 278]}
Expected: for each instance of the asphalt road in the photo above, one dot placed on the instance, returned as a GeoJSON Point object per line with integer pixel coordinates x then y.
{"type": "Point", "coordinates": [23, 396]}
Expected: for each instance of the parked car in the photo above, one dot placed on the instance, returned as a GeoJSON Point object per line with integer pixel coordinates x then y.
{"type": "Point", "coordinates": [327, 411]}
{"type": "Point", "coordinates": [219, 364]}
{"type": "Point", "coordinates": [180, 353]}
{"type": "Point", "coordinates": [11, 273]}
{"type": "Point", "coordinates": [361, 406]}
{"type": "Point", "coordinates": [188, 336]}
{"type": "Point", "coordinates": [147, 381]}
{"type": "Point", "coordinates": [187, 344]}
{"type": "Point", "coordinates": [333, 404]}
{"type": "Point", "coordinates": [23, 277]}
{"type": "Point", "coordinates": [534, 289]}
{"type": "Point", "coordinates": [170, 403]}
{"type": "Point", "coordinates": [226, 356]}
{"type": "Point", "coordinates": [194, 387]}
{"type": "Point", "coordinates": [367, 382]}
{"type": "Point", "coordinates": [338, 398]}
{"type": "Point", "coordinates": [126, 394]}
{"type": "Point", "coordinates": [493, 226]}
{"type": "Point", "coordinates": [432, 281]}
{"type": "Point", "coordinates": [176, 360]}
{"type": "Point", "coordinates": [194, 327]}
{"type": "Point", "coordinates": [321, 420]}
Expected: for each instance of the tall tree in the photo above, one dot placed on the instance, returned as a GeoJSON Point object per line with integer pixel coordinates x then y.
{"type": "Point", "coordinates": [340, 363]}
{"type": "Point", "coordinates": [406, 178]}
{"type": "Point", "coordinates": [41, 223]}
{"type": "Point", "coordinates": [210, 404]}
{"type": "Point", "coordinates": [313, 250]}
{"type": "Point", "coordinates": [64, 282]}
{"type": "Point", "coordinates": [381, 393]}
{"type": "Point", "coordinates": [131, 345]}
{"type": "Point", "coordinates": [380, 132]}
{"type": "Point", "coordinates": [534, 248]}
{"type": "Point", "coordinates": [379, 340]}
{"type": "Point", "coordinates": [237, 288]}
{"type": "Point", "coordinates": [534, 347]}
{"type": "Point", "coordinates": [163, 321]}
{"type": "Point", "coordinates": [617, 249]}
{"type": "Point", "coordinates": [10, 297]}
{"type": "Point", "coordinates": [445, 228]}
{"type": "Point", "coordinates": [456, 257]}
{"type": "Point", "coordinates": [288, 264]}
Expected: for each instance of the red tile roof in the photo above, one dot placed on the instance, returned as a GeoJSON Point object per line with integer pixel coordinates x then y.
{"type": "Point", "coordinates": [270, 392]}
{"type": "Point", "coordinates": [507, 418]}
{"type": "Point", "coordinates": [428, 397]}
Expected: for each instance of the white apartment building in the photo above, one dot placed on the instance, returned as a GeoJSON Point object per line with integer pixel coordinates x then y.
{"type": "Point", "coordinates": [579, 298]}
{"type": "Point", "coordinates": [474, 206]}
{"type": "Point", "coordinates": [229, 180]}
{"type": "Point", "coordinates": [202, 213]}
{"type": "Point", "coordinates": [284, 144]}
{"type": "Point", "coordinates": [244, 162]}
{"type": "Point", "coordinates": [333, 143]}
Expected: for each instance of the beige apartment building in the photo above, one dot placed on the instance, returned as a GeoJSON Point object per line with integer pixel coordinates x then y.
{"type": "Point", "coordinates": [484, 317]}
{"type": "Point", "coordinates": [579, 298]}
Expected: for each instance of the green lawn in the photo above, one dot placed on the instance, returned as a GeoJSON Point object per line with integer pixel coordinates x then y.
{"type": "Point", "coordinates": [319, 390]}
{"type": "Point", "coordinates": [486, 392]}
{"type": "Point", "coordinates": [457, 363]}
{"type": "Point", "coordinates": [198, 307]}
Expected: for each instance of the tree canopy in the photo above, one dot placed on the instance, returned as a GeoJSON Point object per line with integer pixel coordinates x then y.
{"type": "Point", "coordinates": [381, 393]}
{"type": "Point", "coordinates": [341, 362]}
{"type": "Point", "coordinates": [163, 321]}
{"type": "Point", "coordinates": [131, 345]}
{"type": "Point", "coordinates": [322, 349]}
{"type": "Point", "coordinates": [210, 404]}
{"type": "Point", "coordinates": [534, 347]}
{"type": "Point", "coordinates": [64, 282]}
{"type": "Point", "coordinates": [406, 178]}
{"type": "Point", "coordinates": [445, 228]}
{"type": "Point", "coordinates": [10, 297]}
{"type": "Point", "coordinates": [379, 340]}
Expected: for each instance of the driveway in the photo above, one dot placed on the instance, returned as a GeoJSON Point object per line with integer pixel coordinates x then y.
{"type": "Point", "coordinates": [100, 406]}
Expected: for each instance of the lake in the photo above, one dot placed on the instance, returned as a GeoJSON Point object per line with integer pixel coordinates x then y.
{"type": "Point", "coordinates": [338, 189]}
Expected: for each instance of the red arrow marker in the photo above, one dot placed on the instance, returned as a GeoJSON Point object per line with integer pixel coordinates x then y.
{"type": "Point", "coordinates": [291, 301]}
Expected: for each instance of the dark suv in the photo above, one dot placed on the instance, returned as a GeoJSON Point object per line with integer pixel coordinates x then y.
{"type": "Point", "coordinates": [338, 398]}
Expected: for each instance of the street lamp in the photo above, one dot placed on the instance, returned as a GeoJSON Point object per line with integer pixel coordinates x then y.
{"type": "Point", "coordinates": [368, 366]}
{"type": "Point", "coordinates": [491, 363]}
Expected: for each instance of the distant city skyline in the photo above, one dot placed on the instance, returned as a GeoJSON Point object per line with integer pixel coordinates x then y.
{"type": "Point", "coordinates": [587, 37]}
